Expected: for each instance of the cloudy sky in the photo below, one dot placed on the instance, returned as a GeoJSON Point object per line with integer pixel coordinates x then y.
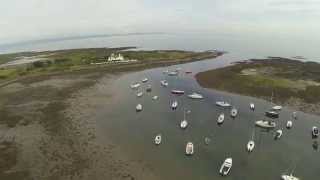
{"type": "Point", "coordinates": [22, 20]}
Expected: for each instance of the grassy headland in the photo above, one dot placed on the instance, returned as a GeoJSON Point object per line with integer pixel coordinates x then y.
{"type": "Point", "coordinates": [294, 83]}
{"type": "Point", "coordinates": [91, 58]}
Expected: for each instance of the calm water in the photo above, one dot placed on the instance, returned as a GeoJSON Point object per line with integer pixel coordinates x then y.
{"type": "Point", "coordinates": [270, 158]}
{"type": "Point", "coordinates": [135, 131]}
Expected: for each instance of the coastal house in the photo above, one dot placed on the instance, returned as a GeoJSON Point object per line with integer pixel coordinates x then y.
{"type": "Point", "coordinates": [115, 57]}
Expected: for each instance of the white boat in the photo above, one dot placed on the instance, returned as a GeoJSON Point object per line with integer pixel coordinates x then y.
{"type": "Point", "coordinates": [145, 80]}
{"type": "Point", "coordinates": [265, 124]}
{"type": "Point", "coordinates": [289, 124]}
{"type": "Point", "coordinates": [288, 177]}
{"type": "Point", "coordinates": [223, 104]}
{"type": "Point", "coordinates": [164, 83]}
{"type": "Point", "coordinates": [250, 146]}
{"type": "Point", "coordinates": [157, 139]}
{"type": "Point", "coordinates": [234, 112]}
{"type": "Point", "coordinates": [252, 106]}
{"type": "Point", "coordinates": [278, 134]}
{"type": "Point", "coordinates": [195, 96]}
{"type": "Point", "coordinates": [149, 88]}
{"type": "Point", "coordinates": [173, 73]}
{"type": "Point", "coordinates": [189, 148]}
{"type": "Point", "coordinates": [220, 119]}
{"type": "Point", "coordinates": [139, 107]}
{"type": "Point", "coordinates": [178, 92]}
{"type": "Point", "coordinates": [155, 97]}
{"type": "Point", "coordinates": [315, 131]}
{"type": "Point", "coordinates": [174, 105]}
{"type": "Point", "coordinates": [139, 94]}
{"type": "Point", "coordinates": [135, 85]}
{"type": "Point", "coordinates": [225, 167]}
{"type": "Point", "coordinates": [277, 108]}
{"type": "Point", "coordinates": [294, 115]}
{"type": "Point", "coordinates": [184, 124]}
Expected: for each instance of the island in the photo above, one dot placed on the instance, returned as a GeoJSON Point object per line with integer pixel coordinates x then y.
{"type": "Point", "coordinates": [294, 83]}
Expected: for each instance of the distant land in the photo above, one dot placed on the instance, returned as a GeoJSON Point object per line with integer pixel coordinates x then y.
{"type": "Point", "coordinates": [294, 83]}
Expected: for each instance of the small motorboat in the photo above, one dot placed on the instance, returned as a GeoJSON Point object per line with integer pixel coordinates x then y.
{"type": "Point", "coordinates": [149, 88]}
{"type": "Point", "coordinates": [135, 85]}
{"type": "Point", "coordinates": [207, 140]}
{"type": "Point", "coordinates": [144, 80]}
{"type": "Point", "coordinates": [277, 108]}
{"type": "Point", "coordinates": [189, 148]}
{"type": "Point", "coordinates": [250, 146]}
{"type": "Point", "coordinates": [265, 124]}
{"type": "Point", "coordinates": [139, 94]}
{"type": "Point", "coordinates": [220, 119]}
{"type": "Point", "coordinates": [252, 106]}
{"type": "Point", "coordinates": [315, 131]}
{"type": "Point", "coordinates": [157, 139]}
{"type": "Point", "coordinates": [139, 107]}
{"type": "Point", "coordinates": [195, 96]}
{"type": "Point", "coordinates": [173, 73]}
{"type": "Point", "coordinates": [184, 124]}
{"type": "Point", "coordinates": [174, 105]}
{"type": "Point", "coordinates": [164, 83]}
{"type": "Point", "coordinates": [278, 134]}
{"type": "Point", "coordinates": [223, 104]}
{"type": "Point", "coordinates": [177, 92]}
{"type": "Point", "coordinates": [288, 177]}
{"type": "Point", "coordinates": [233, 112]}
{"type": "Point", "coordinates": [289, 124]}
{"type": "Point", "coordinates": [294, 115]}
{"type": "Point", "coordinates": [272, 114]}
{"type": "Point", "coordinates": [155, 98]}
{"type": "Point", "coordinates": [225, 167]}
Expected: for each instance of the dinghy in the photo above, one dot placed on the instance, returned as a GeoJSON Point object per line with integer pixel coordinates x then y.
{"type": "Point", "coordinates": [139, 107]}
{"type": "Point", "coordinates": [223, 104]}
{"type": "Point", "coordinates": [157, 139]}
{"type": "Point", "coordinates": [250, 146]}
{"type": "Point", "coordinates": [177, 92]}
{"type": "Point", "coordinates": [135, 85]}
{"type": "Point", "coordinates": [139, 94]}
{"type": "Point", "coordinates": [278, 134]}
{"type": "Point", "coordinates": [189, 148]}
{"type": "Point", "coordinates": [145, 80]}
{"type": "Point", "coordinates": [164, 83]}
{"type": "Point", "coordinates": [315, 131]}
{"type": "Point", "coordinates": [174, 105]}
{"type": "Point", "coordinates": [265, 124]}
{"type": "Point", "coordinates": [252, 106]}
{"type": "Point", "coordinates": [233, 112]}
{"type": "Point", "coordinates": [289, 124]}
{"type": "Point", "coordinates": [220, 119]}
{"type": "Point", "coordinates": [195, 96]}
{"type": "Point", "coordinates": [225, 167]}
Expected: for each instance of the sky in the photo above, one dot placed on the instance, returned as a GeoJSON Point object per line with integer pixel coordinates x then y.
{"type": "Point", "coordinates": [23, 20]}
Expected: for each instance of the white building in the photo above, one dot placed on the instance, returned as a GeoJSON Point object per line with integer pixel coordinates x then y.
{"type": "Point", "coordinates": [115, 57]}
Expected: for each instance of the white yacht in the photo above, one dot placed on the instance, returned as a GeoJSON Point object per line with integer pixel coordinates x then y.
{"type": "Point", "coordinates": [174, 105]}
{"type": "Point", "coordinates": [234, 112]}
{"type": "Point", "coordinates": [144, 80]}
{"type": "Point", "coordinates": [220, 118]}
{"type": "Point", "coordinates": [139, 94]}
{"type": "Point", "coordinates": [157, 139]}
{"type": "Point", "coordinates": [265, 124]}
{"type": "Point", "coordinates": [135, 85]}
{"type": "Point", "coordinates": [315, 131]}
{"type": "Point", "coordinates": [225, 167]}
{"type": "Point", "coordinates": [289, 124]}
{"type": "Point", "coordinates": [189, 148]}
{"type": "Point", "coordinates": [288, 177]}
{"type": "Point", "coordinates": [277, 108]}
{"type": "Point", "coordinates": [223, 104]}
{"type": "Point", "coordinates": [278, 134]}
{"type": "Point", "coordinates": [250, 146]}
{"type": "Point", "coordinates": [139, 107]}
{"type": "Point", "coordinates": [164, 83]}
{"type": "Point", "coordinates": [195, 96]}
{"type": "Point", "coordinates": [252, 106]}
{"type": "Point", "coordinates": [155, 97]}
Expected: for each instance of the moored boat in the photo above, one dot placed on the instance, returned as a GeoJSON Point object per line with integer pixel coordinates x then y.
{"type": "Point", "coordinates": [220, 118]}
{"type": "Point", "coordinates": [278, 134]}
{"type": "Point", "coordinates": [265, 124]}
{"type": "Point", "coordinates": [189, 148]}
{"type": "Point", "coordinates": [277, 108]}
{"type": "Point", "coordinates": [226, 167]}
{"type": "Point", "coordinates": [233, 112]}
{"type": "Point", "coordinates": [223, 104]}
{"type": "Point", "coordinates": [288, 177]}
{"type": "Point", "coordinates": [272, 114]}
{"type": "Point", "coordinates": [173, 73]}
{"type": "Point", "coordinates": [139, 94]}
{"type": "Point", "coordinates": [157, 139]}
{"type": "Point", "coordinates": [139, 107]}
{"type": "Point", "coordinates": [144, 80]}
{"type": "Point", "coordinates": [195, 96]}
{"type": "Point", "coordinates": [178, 92]}
{"type": "Point", "coordinates": [174, 105]}
{"type": "Point", "coordinates": [250, 146]}
{"type": "Point", "coordinates": [184, 124]}
{"type": "Point", "coordinates": [315, 131]}
{"type": "Point", "coordinates": [149, 88]}
{"type": "Point", "coordinates": [289, 124]}
{"type": "Point", "coordinates": [164, 83]}
{"type": "Point", "coordinates": [155, 97]}
{"type": "Point", "coordinates": [135, 85]}
{"type": "Point", "coordinates": [252, 106]}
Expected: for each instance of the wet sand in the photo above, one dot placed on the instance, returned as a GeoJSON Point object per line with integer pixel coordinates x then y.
{"type": "Point", "coordinates": [47, 131]}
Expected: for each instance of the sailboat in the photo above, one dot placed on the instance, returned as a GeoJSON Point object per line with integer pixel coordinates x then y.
{"type": "Point", "coordinates": [274, 112]}
{"type": "Point", "coordinates": [251, 143]}
{"type": "Point", "coordinates": [252, 106]}
{"type": "Point", "coordinates": [220, 118]}
{"type": "Point", "coordinates": [184, 122]}
{"type": "Point", "coordinates": [174, 105]}
{"type": "Point", "coordinates": [139, 107]}
{"type": "Point", "coordinates": [289, 124]}
{"type": "Point", "coordinates": [157, 139]}
{"type": "Point", "coordinates": [233, 112]}
{"type": "Point", "coordinates": [189, 148]}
